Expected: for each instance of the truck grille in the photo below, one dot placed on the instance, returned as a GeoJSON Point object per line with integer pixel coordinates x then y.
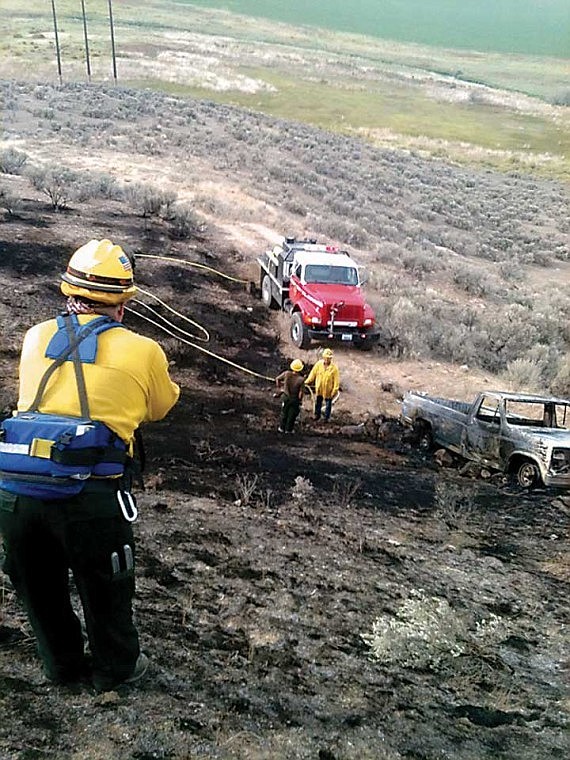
{"type": "Point", "coordinates": [347, 313]}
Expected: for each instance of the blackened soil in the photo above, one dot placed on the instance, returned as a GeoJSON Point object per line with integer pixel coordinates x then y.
{"type": "Point", "coordinates": [263, 559]}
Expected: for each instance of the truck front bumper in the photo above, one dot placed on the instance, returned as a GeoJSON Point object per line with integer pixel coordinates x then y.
{"type": "Point", "coordinates": [557, 480]}
{"type": "Point", "coordinates": [344, 335]}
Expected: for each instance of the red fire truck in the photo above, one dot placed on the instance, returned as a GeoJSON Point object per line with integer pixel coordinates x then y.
{"type": "Point", "coordinates": [320, 287]}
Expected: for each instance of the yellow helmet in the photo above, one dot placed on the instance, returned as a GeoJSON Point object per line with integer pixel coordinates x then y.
{"type": "Point", "coordinates": [327, 353]}
{"type": "Point", "coordinates": [296, 365]}
{"type": "Point", "coordinates": [100, 271]}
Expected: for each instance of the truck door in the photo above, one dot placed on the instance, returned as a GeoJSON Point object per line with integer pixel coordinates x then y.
{"type": "Point", "coordinates": [482, 434]}
{"type": "Point", "coordinates": [295, 278]}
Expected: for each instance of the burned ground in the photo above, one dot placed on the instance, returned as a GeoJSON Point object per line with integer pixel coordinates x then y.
{"type": "Point", "coordinates": [263, 560]}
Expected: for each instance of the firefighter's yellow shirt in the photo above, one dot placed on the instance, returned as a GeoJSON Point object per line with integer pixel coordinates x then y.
{"type": "Point", "coordinates": [128, 383]}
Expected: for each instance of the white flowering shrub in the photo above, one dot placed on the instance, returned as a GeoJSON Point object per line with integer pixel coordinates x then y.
{"type": "Point", "coordinates": [302, 489]}
{"type": "Point", "coordinates": [425, 631]}
{"type": "Point", "coordinates": [490, 631]}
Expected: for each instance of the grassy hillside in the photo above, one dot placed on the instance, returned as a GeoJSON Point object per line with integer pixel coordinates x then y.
{"type": "Point", "coordinates": [465, 265]}
{"type": "Point", "coordinates": [488, 110]}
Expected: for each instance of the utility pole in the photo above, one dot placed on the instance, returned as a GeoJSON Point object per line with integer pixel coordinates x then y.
{"type": "Point", "coordinates": [86, 41]}
{"type": "Point", "coordinates": [57, 41]}
{"type": "Point", "coordinates": [113, 41]}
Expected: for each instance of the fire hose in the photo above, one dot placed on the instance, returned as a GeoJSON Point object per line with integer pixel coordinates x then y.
{"type": "Point", "coordinates": [178, 333]}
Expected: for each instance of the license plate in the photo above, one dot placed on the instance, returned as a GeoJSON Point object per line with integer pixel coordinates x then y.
{"type": "Point", "coordinates": [346, 336]}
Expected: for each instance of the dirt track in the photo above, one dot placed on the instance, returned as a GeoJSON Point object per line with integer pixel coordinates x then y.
{"type": "Point", "coordinates": [254, 591]}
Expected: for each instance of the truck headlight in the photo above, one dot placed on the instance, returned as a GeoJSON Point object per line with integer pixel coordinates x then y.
{"type": "Point", "coordinates": [560, 459]}
{"type": "Point", "coordinates": [368, 322]}
{"type": "Point", "coordinates": [315, 320]}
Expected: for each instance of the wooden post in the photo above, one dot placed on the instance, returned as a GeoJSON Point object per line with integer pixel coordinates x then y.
{"type": "Point", "coordinates": [113, 41]}
{"type": "Point", "coordinates": [86, 41]}
{"type": "Point", "coordinates": [56, 41]}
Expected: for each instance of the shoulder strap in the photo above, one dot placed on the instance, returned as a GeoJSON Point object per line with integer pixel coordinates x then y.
{"type": "Point", "coordinates": [78, 367]}
{"type": "Point", "coordinates": [74, 339]}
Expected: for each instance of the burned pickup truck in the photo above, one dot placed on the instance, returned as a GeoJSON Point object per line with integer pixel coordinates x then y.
{"type": "Point", "coordinates": [523, 435]}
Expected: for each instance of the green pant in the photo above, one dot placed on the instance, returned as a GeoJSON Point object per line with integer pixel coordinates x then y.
{"type": "Point", "coordinates": [43, 541]}
{"type": "Point", "coordinates": [290, 409]}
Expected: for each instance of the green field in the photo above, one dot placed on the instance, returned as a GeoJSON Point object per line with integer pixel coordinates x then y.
{"type": "Point", "coordinates": [529, 27]}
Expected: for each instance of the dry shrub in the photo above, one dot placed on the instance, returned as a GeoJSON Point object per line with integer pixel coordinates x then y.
{"type": "Point", "coordinates": [426, 633]}
{"type": "Point", "coordinates": [245, 488]}
{"type": "Point", "coordinates": [524, 374]}
{"type": "Point", "coordinates": [561, 383]}
{"type": "Point", "coordinates": [58, 183]}
{"type": "Point", "coordinates": [12, 161]}
{"type": "Point", "coordinates": [303, 490]}
{"type": "Point", "coordinates": [183, 222]}
{"type": "Point", "coordinates": [345, 492]}
{"type": "Point", "coordinates": [9, 201]}
{"type": "Point", "coordinates": [150, 201]}
{"type": "Point", "coordinates": [455, 504]}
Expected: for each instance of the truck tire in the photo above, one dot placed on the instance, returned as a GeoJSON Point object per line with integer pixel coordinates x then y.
{"type": "Point", "coordinates": [267, 294]}
{"type": "Point", "coordinates": [299, 331]}
{"type": "Point", "coordinates": [527, 474]}
{"type": "Point", "coordinates": [423, 435]}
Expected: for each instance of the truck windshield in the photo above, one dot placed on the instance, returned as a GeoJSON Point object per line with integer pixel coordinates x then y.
{"type": "Point", "coordinates": [331, 274]}
{"type": "Point", "coordinates": [546, 414]}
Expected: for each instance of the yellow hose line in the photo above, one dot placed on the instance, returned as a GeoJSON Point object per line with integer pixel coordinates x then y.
{"type": "Point", "coordinates": [173, 311]}
{"type": "Point", "coordinates": [190, 321]}
{"type": "Point", "coordinates": [169, 323]}
{"type": "Point", "coordinates": [190, 264]}
{"type": "Point", "coordinates": [314, 396]}
{"type": "Point", "coordinates": [200, 348]}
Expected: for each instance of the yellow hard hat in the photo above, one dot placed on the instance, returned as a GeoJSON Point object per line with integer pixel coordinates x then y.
{"type": "Point", "coordinates": [327, 353]}
{"type": "Point", "coordinates": [296, 365]}
{"type": "Point", "coordinates": [100, 271]}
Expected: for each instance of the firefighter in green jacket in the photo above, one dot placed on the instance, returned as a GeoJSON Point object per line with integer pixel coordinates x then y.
{"type": "Point", "coordinates": [90, 534]}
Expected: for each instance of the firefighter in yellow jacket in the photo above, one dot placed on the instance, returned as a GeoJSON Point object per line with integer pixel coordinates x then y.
{"type": "Point", "coordinates": [325, 376]}
{"type": "Point", "coordinates": [90, 534]}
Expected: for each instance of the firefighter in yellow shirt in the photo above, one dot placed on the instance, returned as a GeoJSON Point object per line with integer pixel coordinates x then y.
{"type": "Point", "coordinates": [126, 383]}
{"type": "Point", "coordinates": [326, 378]}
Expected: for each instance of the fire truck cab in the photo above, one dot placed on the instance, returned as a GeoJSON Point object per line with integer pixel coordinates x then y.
{"type": "Point", "coordinates": [320, 287]}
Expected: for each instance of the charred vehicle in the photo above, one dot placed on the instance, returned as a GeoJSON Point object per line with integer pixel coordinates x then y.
{"type": "Point", "coordinates": [524, 435]}
{"type": "Point", "coordinates": [321, 288]}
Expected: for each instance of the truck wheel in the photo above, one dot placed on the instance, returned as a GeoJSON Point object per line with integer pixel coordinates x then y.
{"type": "Point", "coordinates": [424, 437]}
{"type": "Point", "coordinates": [528, 474]}
{"type": "Point", "coordinates": [266, 294]}
{"type": "Point", "coordinates": [299, 332]}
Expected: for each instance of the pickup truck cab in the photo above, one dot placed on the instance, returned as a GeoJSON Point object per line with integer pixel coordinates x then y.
{"type": "Point", "coordinates": [525, 435]}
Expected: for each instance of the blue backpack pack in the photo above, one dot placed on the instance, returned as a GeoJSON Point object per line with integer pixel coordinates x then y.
{"type": "Point", "coordinates": [50, 456]}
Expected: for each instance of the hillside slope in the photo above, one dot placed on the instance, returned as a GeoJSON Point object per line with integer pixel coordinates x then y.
{"type": "Point", "coordinates": [264, 562]}
{"type": "Point", "coordinates": [465, 265]}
